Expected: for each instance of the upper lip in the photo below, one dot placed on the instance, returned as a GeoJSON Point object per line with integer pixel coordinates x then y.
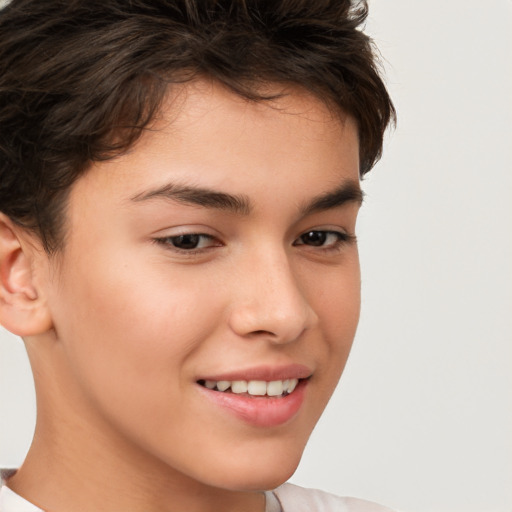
{"type": "Point", "coordinates": [266, 373]}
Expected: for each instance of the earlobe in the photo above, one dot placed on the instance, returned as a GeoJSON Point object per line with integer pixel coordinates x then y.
{"type": "Point", "coordinates": [23, 310]}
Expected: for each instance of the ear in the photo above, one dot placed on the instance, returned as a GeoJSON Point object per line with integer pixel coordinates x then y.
{"type": "Point", "coordinates": [23, 309]}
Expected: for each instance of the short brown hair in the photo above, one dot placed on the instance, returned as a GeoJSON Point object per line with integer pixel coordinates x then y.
{"type": "Point", "coordinates": [81, 79]}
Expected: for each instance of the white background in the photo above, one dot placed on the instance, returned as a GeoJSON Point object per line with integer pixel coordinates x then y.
{"type": "Point", "coordinates": [422, 420]}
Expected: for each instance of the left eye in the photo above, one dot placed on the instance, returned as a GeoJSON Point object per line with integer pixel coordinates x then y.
{"type": "Point", "coordinates": [321, 238]}
{"type": "Point", "coordinates": [188, 242]}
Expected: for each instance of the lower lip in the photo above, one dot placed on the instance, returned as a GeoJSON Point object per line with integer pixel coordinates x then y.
{"type": "Point", "coordinates": [260, 411]}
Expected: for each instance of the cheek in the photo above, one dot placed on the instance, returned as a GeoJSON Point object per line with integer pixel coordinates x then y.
{"type": "Point", "coordinates": [337, 304]}
{"type": "Point", "coordinates": [337, 298]}
{"type": "Point", "coordinates": [127, 330]}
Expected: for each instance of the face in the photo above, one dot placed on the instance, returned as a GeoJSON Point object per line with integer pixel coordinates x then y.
{"type": "Point", "coordinates": [208, 293]}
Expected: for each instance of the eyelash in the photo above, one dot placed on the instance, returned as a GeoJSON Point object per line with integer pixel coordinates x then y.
{"type": "Point", "coordinates": [342, 239]}
{"type": "Point", "coordinates": [167, 242]}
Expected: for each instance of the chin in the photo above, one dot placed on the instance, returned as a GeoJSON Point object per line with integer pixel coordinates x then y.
{"type": "Point", "coordinates": [255, 480]}
{"type": "Point", "coordinates": [258, 473]}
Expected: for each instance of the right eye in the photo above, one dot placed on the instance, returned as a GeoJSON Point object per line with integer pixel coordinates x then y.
{"type": "Point", "coordinates": [190, 242]}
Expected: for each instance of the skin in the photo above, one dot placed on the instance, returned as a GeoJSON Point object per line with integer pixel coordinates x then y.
{"type": "Point", "coordinates": [119, 327]}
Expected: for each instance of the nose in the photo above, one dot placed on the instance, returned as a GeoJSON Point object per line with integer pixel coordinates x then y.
{"type": "Point", "coordinates": [268, 301]}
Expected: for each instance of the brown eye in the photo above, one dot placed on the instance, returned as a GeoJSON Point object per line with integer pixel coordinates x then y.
{"type": "Point", "coordinates": [185, 242]}
{"type": "Point", "coordinates": [188, 242]}
{"type": "Point", "coordinates": [314, 238]}
{"type": "Point", "coordinates": [324, 239]}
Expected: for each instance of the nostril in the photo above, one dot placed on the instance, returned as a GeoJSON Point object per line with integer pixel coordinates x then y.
{"type": "Point", "coordinates": [262, 332]}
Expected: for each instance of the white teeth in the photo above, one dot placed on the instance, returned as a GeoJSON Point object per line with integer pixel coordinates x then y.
{"type": "Point", "coordinates": [223, 385]}
{"type": "Point", "coordinates": [292, 384]}
{"type": "Point", "coordinates": [257, 387]}
{"type": "Point", "coordinates": [239, 386]}
{"type": "Point", "coordinates": [254, 387]}
{"type": "Point", "coordinates": [275, 388]}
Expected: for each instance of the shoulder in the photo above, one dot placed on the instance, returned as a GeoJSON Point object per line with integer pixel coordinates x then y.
{"type": "Point", "coordinates": [299, 499]}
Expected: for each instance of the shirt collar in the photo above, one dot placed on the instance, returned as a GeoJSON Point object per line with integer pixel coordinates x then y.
{"type": "Point", "coordinates": [12, 502]}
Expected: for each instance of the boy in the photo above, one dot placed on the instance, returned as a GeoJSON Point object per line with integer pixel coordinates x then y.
{"type": "Point", "coordinates": [179, 187]}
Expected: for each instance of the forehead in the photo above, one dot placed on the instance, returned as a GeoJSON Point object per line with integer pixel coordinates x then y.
{"type": "Point", "coordinates": [196, 98]}
{"type": "Point", "coordinates": [200, 108]}
{"type": "Point", "coordinates": [205, 135]}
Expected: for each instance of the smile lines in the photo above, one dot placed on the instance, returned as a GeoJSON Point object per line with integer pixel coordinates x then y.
{"type": "Point", "coordinates": [253, 387]}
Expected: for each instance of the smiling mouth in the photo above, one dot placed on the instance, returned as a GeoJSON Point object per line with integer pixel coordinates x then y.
{"type": "Point", "coordinates": [253, 388]}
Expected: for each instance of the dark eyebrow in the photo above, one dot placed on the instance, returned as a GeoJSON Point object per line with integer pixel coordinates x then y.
{"type": "Point", "coordinates": [348, 192]}
{"type": "Point", "coordinates": [198, 196]}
